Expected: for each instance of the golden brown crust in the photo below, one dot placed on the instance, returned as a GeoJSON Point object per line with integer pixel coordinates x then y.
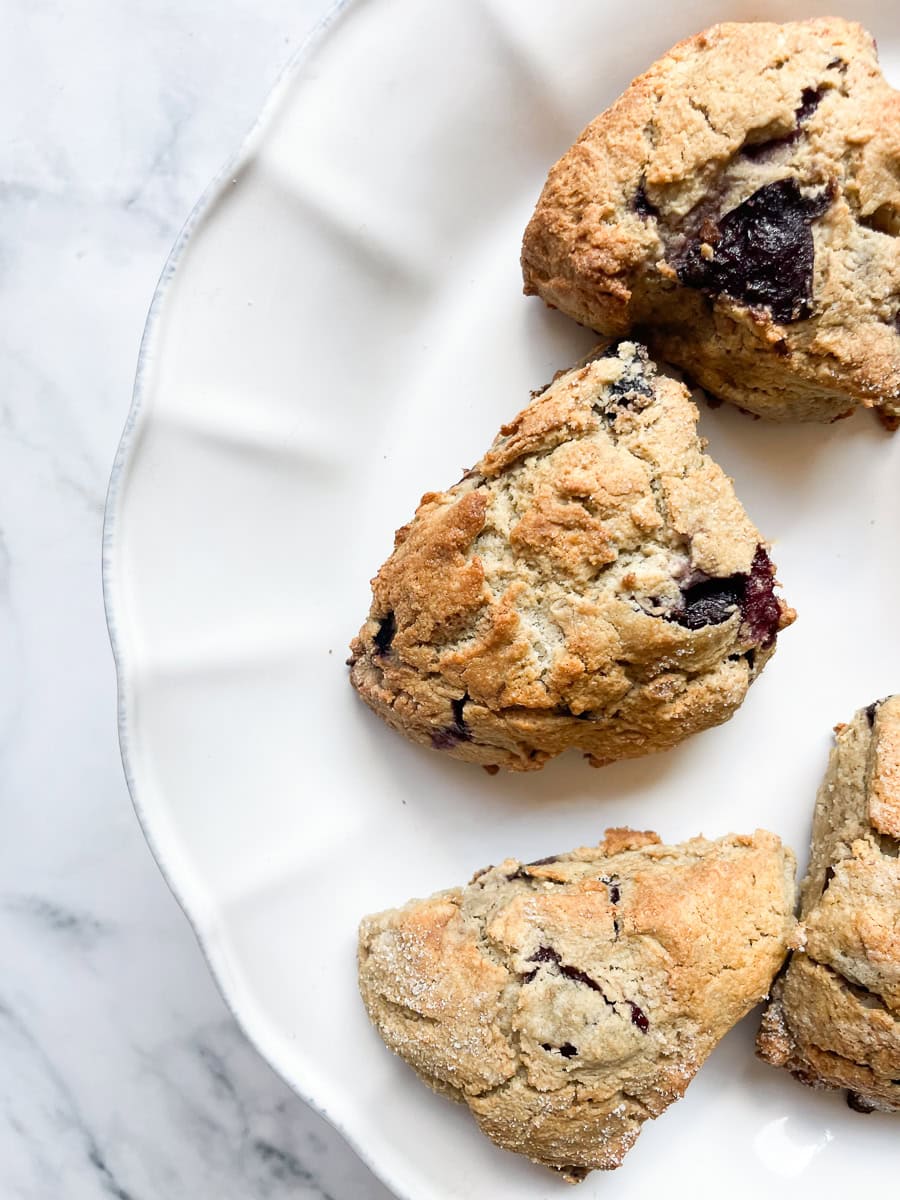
{"type": "Point", "coordinates": [884, 769]}
{"type": "Point", "coordinates": [834, 1019]}
{"type": "Point", "coordinates": [567, 1001]}
{"type": "Point", "coordinates": [538, 605]}
{"type": "Point", "coordinates": [681, 147]}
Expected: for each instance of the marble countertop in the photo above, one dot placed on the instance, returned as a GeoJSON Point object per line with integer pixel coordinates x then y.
{"type": "Point", "coordinates": [123, 1074]}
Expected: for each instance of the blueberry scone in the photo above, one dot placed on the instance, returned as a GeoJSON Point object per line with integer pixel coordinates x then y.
{"type": "Point", "coordinates": [592, 583]}
{"type": "Point", "coordinates": [569, 1000]}
{"type": "Point", "coordinates": [742, 198]}
{"type": "Point", "coordinates": [834, 1019]}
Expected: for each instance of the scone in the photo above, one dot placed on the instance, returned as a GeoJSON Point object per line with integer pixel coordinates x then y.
{"type": "Point", "coordinates": [742, 198]}
{"type": "Point", "coordinates": [593, 583]}
{"type": "Point", "coordinates": [567, 1001]}
{"type": "Point", "coordinates": [834, 1019]}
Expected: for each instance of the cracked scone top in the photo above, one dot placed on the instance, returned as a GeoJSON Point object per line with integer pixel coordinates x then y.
{"type": "Point", "coordinates": [568, 1001]}
{"type": "Point", "coordinates": [834, 1019]}
{"type": "Point", "coordinates": [742, 198]}
{"type": "Point", "coordinates": [593, 583]}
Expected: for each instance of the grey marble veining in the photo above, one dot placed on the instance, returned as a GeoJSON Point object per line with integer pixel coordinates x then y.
{"type": "Point", "coordinates": [121, 1072]}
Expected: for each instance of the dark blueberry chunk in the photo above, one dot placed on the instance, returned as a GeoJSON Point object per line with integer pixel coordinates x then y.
{"type": "Point", "coordinates": [542, 955]}
{"type": "Point", "coordinates": [614, 894]}
{"type": "Point", "coordinates": [749, 657]}
{"type": "Point", "coordinates": [459, 723]}
{"type": "Point", "coordinates": [387, 628]}
{"type": "Point", "coordinates": [642, 204]}
{"type": "Point", "coordinates": [810, 101]}
{"type": "Point", "coordinates": [638, 1017]}
{"type": "Point", "coordinates": [579, 976]}
{"type": "Point", "coordinates": [764, 252]}
{"type": "Point", "coordinates": [632, 383]}
{"type": "Point", "coordinates": [838, 64]}
{"type": "Point", "coordinates": [632, 387]}
{"type": "Point", "coordinates": [829, 875]}
{"type": "Point", "coordinates": [762, 612]}
{"type": "Point", "coordinates": [633, 378]}
{"type": "Point", "coordinates": [710, 602]}
{"type": "Point", "coordinates": [631, 390]}
{"type": "Point", "coordinates": [452, 735]}
{"type": "Point", "coordinates": [524, 873]}
{"type": "Point", "coordinates": [636, 363]}
{"type": "Point", "coordinates": [545, 954]}
{"type": "Point", "coordinates": [567, 1050]}
{"type": "Point", "coordinates": [859, 1103]}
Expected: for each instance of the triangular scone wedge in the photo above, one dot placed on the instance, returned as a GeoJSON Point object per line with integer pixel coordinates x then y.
{"type": "Point", "coordinates": [569, 1000]}
{"type": "Point", "coordinates": [742, 200]}
{"type": "Point", "coordinates": [593, 583]}
{"type": "Point", "coordinates": [834, 1019]}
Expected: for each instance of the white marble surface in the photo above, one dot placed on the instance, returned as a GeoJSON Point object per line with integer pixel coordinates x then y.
{"type": "Point", "coordinates": [121, 1072]}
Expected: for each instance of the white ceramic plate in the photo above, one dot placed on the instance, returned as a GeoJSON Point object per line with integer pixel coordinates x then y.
{"type": "Point", "coordinates": [340, 329]}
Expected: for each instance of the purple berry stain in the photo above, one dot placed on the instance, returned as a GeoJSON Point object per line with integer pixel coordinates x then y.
{"type": "Point", "coordinates": [642, 204]}
{"type": "Point", "coordinates": [567, 1050]}
{"type": "Point", "coordinates": [762, 612]}
{"type": "Point", "coordinates": [638, 1017]}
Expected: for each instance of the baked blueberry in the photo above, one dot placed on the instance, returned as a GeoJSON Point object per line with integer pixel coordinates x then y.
{"type": "Point", "coordinates": [762, 252]}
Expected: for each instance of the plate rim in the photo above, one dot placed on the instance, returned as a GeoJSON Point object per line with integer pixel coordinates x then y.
{"type": "Point", "coordinates": [205, 928]}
